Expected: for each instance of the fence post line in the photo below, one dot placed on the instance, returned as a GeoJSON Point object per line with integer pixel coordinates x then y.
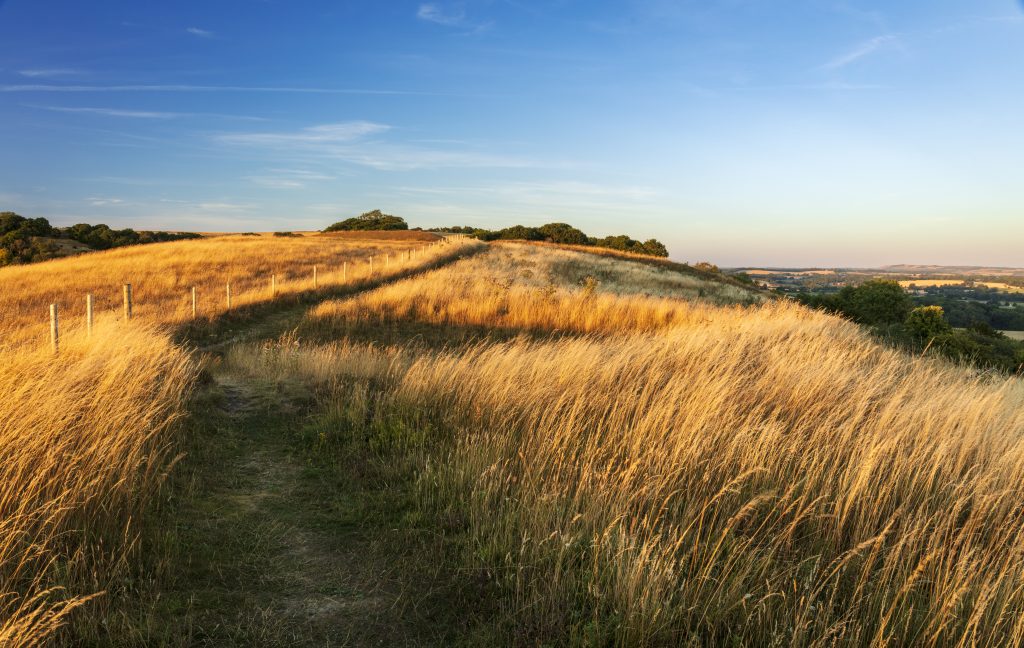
{"type": "Point", "coordinates": [88, 315]}
{"type": "Point", "coordinates": [229, 294]}
{"type": "Point", "coordinates": [54, 332]}
{"type": "Point", "coordinates": [314, 278]}
{"type": "Point", "coordinates": [127, 302]}
{"type": "Point", "coordinates": [193, 302]}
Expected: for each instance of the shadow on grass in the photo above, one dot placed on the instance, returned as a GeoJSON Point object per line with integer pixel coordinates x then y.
{"type": "Point", "coordinates": [426, 335]}
{"type": "Point", "coordinates": [272, 317]}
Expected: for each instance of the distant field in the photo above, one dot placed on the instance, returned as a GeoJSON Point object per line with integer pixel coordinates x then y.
{"type": "Point", "coordinates": [1016, 335]}
{"type": "Point", "coordinates": [761, 273]}
{"type": "Point", "coordinates": [933, 283]}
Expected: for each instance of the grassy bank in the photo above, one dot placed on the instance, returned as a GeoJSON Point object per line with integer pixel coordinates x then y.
{"type": "Point", "coordinates": [89, 434]}
{"type": "Point", "coordinates": [718, 476]}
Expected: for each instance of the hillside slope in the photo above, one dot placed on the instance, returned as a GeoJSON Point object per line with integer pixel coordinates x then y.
{"type": "Point", "coordinates": [516, 445]}
{"type": "Point", "coordinates": [624, 469]}
{"type": "Point", "coordinates": [90, 430]}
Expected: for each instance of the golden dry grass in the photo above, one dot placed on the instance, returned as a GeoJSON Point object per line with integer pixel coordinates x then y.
{"type": "Point", "coordinates": [162, 275]}
{"type": "Point", "coordinates": [528, 287]}
{"type": "Point", "coordinates": [82, 448]}
{"type": "Point", "coordinates": [762, 476]}
{"type": "Point", "coordinates": [84, 434]}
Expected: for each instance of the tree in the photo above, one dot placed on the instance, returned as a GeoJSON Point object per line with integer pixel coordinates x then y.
{"type": "Point", "coordinates": [20, 239]}
{"type": "Point", "coordinates": [371, 220]}
{"type": "Point", "coordinates": [654, 247]}
{"type": "Point", "coordinates": [875, 302]}
{"type": "Point", "coordinates": [521, 233]}
{"type": "Point", "coordinates": [927, 323]}
{"type": "Point", "coordinates": [563, 233]}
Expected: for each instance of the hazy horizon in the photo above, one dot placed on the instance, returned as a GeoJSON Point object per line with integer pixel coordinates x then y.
{"type": "Point", "coordinates": [827, 133]}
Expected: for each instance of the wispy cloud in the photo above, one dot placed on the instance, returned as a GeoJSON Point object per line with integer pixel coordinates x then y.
{"type": "Point", "coordinates": [865, 49]}
{"type": "Point", "coordinates": [430, 12]}
{"type": "Point", "coordinates": [43, 87]}
{"type": "Point", "coordinates": [288, 178]}
{"type": "Point", "coordinates": [553, 193]}
{"type": "Point", "coordinates": [104, 202]}
{"type": "Point", "coordinates": [357, 143]}
{"type": "Point", "coordinates": [117, 112]}
{"type": "Point", "coordinates": [48, 73]}
{"type": "Point", "coordinates": [325, 134]}
{"type": "Point", "coordinates": [201, 33]}
{"type": "Point", "coordinates": [452, 17]}
{"type": "Point", "coordinates": [603, 204]}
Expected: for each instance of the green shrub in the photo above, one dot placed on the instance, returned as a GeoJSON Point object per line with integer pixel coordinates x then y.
{"type": "Point", "coordinates": [875, 302]}
{"type": "Point", "coordinates": [927, 322]}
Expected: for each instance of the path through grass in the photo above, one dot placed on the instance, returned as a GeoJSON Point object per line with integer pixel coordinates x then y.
{"type": "Point", "coordinates": [271, 541]}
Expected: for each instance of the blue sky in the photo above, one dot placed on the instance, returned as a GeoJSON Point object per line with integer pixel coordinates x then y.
{"type": "Point", "coordinates": [806, 132]}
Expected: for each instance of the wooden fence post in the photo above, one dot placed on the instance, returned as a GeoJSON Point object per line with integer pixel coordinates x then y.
{"type": "Point", "coordinates": [371, 265]}
{"type": "Point", "coordinates": [193, 302]}
{"type": "Point", "coordinates": [127, 302]}
{"type": "Point", "coordinates": [88, 315]}
{"type": "Point", "coordinates": [314, 278]}
{"type": "Point", "coordinates": [229, 295]}
{"type": "Point", "coordinates": [54, 332]}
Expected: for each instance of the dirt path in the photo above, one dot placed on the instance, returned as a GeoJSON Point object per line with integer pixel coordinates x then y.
{"type": "Point", "coordinates": [280, 550]}
{"type": "Point", "coordinates": [277, 545]}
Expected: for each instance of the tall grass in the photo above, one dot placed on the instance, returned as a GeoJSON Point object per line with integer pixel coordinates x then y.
{"type": "Point", "coordinates": [84, 438]}
{"type": "Point", "coordinates": [539, 289]}
{"type": "Point", "coordinates": [163, 274]}
{"type": "Point", "coordinates": [723, 476]}
{"type": "Point", "coordinates": [83, 446]}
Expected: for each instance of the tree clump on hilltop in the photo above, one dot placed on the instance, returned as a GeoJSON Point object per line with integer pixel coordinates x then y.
{"type": "Point", "coordinates": [371, 220]}
{"type": "Point", "coordinates": [564, 234]}
{"type": "Point", "coordinates": [26, 240]}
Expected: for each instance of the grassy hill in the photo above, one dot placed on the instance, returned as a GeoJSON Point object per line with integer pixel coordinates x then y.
{"type": "Point", "coordinates": [500, 444]}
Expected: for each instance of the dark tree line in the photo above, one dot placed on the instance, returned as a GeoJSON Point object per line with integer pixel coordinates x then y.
{"type": "Point", "coordinates": [565, 234]}
{"type": "Point", "coordinates": [26, 240]}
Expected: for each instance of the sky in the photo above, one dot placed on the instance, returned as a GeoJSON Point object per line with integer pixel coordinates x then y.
{"type": "Point", "coordinates": [743, 132]}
